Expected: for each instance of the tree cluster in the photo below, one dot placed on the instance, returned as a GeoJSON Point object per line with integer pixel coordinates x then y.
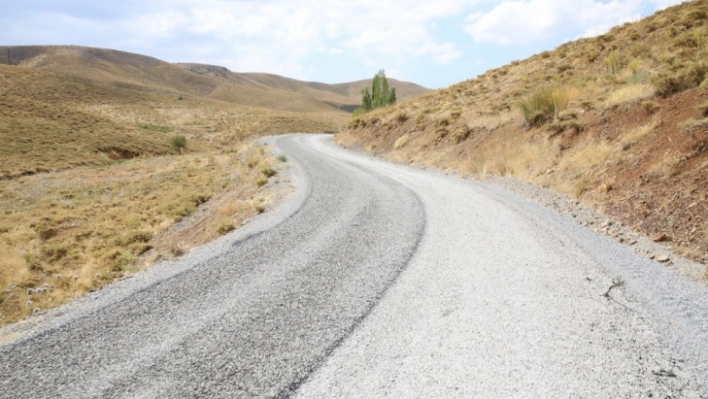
{"type": "Point", "coordinates": [380, 95]}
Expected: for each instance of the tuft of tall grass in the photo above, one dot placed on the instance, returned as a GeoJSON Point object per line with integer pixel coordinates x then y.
{"type": "Point", "coordinates": [614, 62]}
{"type": "Point", "coordinates": [544, 104]}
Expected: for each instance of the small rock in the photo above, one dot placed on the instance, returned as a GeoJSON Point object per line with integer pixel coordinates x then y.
{"type": "Point", "coordinates": [30, 291]}
{"type": "Point", "coordinates": [662, 259]}
{"type": "Point", "coordinates": [36, 311]}
{"type": "Point", "coordinates": [662, 238]}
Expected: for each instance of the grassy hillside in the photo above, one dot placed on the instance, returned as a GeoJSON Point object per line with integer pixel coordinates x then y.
{"type": "Point", "coordinates": [618, 121]}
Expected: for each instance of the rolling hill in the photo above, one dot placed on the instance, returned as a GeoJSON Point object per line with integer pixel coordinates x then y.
{"type": "Point", "coordinates": [344, 96]}
{"type": "Point", "coordinates": [619, 121]}
{"type": "Point", "coordinates": [118, 105]}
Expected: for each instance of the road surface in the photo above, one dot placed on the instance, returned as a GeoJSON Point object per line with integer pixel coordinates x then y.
{"type": "Point", "coordinates": [380, 281]}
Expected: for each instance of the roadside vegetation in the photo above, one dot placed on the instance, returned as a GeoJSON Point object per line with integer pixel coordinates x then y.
{"type": "Point", "coordinates": [618, 121]}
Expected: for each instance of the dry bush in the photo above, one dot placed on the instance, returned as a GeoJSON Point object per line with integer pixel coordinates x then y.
{"type": "Point", "coordinates": [703, 109]}
{"type": "Point", "coordinates": [690, 75]}
{"type": "Point", "coordinates": [401, 142]}
{"type": "Point", "coordinates": [544, 104]}
{"type": "Point", "coordinates": [694, 125]}
{"type": "Point", "coordinates": [651, 107]}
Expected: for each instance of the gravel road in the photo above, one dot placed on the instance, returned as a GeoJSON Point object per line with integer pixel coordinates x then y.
{"type": "Point", "coordinates": [374, 281]}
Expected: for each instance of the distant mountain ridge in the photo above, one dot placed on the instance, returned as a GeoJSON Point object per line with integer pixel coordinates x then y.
{"type": "Point", "coordinates": [215, 82]}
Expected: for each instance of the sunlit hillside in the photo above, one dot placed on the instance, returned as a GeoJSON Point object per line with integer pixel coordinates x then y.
{"type": "Point", "coordinates": [619, 121]}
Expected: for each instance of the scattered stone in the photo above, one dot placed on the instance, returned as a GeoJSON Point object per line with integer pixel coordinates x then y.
{"type": "Point", "coordinates": [28, 303]}
{"type": "Point", "coordinates": [664, 373]}
{"type": "Point", "coordinates": [662, 259]}
{"type": "Point", "coordinates": [30, 291]}
{"type": "Point", "coordinates": [662, 238]}
{"type": "Point", "coordinates": [36, 311]}
{"type": "Point", "coordinates": [58, 276]}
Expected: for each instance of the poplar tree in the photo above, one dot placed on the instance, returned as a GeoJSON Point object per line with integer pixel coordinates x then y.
{"type": "Point", "coordinates": [380, 96]}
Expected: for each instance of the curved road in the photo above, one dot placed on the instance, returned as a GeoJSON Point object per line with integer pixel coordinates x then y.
{"type": "Point", "coordinates": [382, 282]}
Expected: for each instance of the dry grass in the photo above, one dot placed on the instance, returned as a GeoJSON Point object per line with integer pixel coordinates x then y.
{"type": "Point", "coordinates": [401, 142]}
{"type": "Point", "coordinates": [89, 225]}
{"type": "Point", "coordinates": [630, 94]}
{"type": "Point", "coordinates": [635, 134]}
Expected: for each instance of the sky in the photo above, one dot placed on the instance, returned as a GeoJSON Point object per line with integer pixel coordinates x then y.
{"type": "Point", "coordinates": [434, 43]}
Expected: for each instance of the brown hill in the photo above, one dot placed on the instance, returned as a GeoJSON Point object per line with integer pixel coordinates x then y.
{"type": "Point", "coordinates": [345, 96]}
{"type": "Point", "coordinates": [619, 121]}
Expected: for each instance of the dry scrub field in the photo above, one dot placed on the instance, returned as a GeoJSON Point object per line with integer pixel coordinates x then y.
{"type": "Point", "coordinates": [64, 234]}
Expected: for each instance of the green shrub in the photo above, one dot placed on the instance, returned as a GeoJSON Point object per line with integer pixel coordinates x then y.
{"type": "Point", "coordinates": [269, 172]}
{"type": "Point", "coordinates": [262, 181]}
{"type": "Point", "coordinates": [358, 112]}
{"type": "Point", "coordinates": [122, 261]}
{"type": "Point", "coordinates": [178, 142]}
{"type": "Point", "coordinates": [155, 128]}
{"type": "Point", "coordinates": [225, 228]}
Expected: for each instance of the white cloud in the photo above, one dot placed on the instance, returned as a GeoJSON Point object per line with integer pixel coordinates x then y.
{"type": "Point", "coordinates": [287, 32]}
{"type": "Point", "coordinates": [661, 4]}
{"type": "Point", "coordinates": [525, 21]}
